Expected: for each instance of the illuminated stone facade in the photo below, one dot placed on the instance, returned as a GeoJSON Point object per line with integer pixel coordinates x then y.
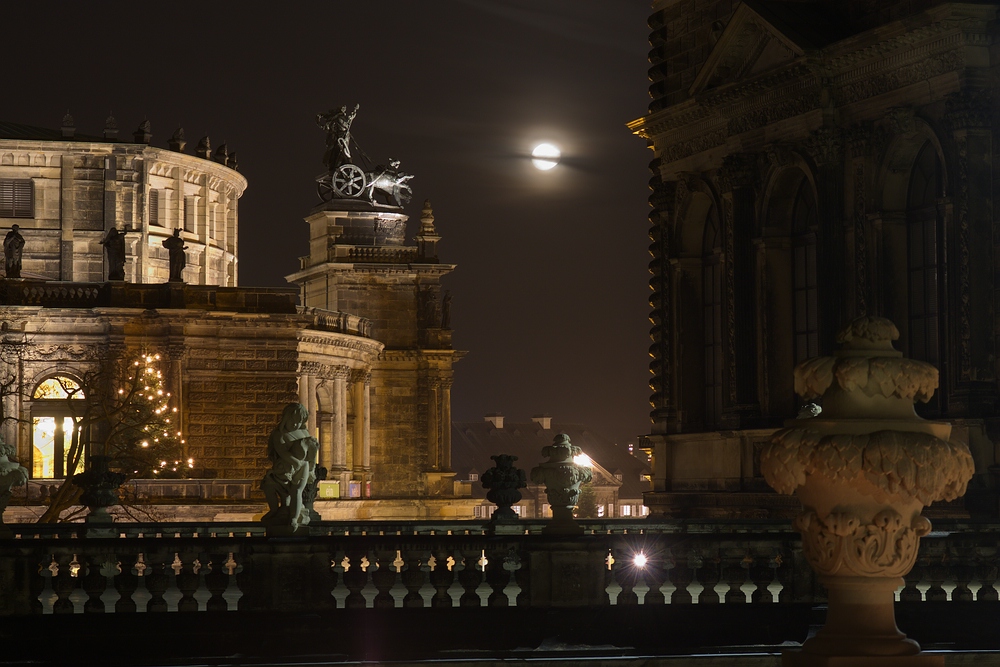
{"type": "Point", "coordinates": [814, 162]}
{"type": "Point", "coordinates": [359, 263]}
{"type": "Point", "coordinates": [368, 353]}
{"type": "Point", "coordinates": [81, 186]}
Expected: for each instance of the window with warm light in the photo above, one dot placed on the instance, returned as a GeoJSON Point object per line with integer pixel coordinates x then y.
{"type": "Point", "coordinates": [52, 429]}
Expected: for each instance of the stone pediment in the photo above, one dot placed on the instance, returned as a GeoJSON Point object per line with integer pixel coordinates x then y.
{"type": "Point", "coordinates": [749, 45]}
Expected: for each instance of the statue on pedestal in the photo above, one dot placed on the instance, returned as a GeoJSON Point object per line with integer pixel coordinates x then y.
{"type": "Point", "coordinates": [11, 474]}
{"type": "Point", "coordinates": [114, 249]}
{"type": "Point", "coordinates": [13, 244]}
{"type": "Point", "coordinates": [178, 260]}
{"type": "Point", "coordinates": [292, 451]}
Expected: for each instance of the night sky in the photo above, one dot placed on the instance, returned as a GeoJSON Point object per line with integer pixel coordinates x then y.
{"type": "Point", "coordinates": [550, 294]}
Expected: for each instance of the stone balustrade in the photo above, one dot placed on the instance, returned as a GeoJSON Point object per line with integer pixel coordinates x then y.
{"type": "Point", "coordinates": [218, 567]}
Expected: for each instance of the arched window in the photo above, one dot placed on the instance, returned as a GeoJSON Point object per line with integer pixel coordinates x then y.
{"type": "Point", "coordinates": [922, 229]}
{"type": "Point", "coordinates": [52, 427]}
{"type": "Point", "coordinates": [804, 300]}
{"type": "Point", "coordinates": [711, 290]}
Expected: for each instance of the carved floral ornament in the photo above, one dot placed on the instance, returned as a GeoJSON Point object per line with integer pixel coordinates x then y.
{"type": "Point", "coordinates": [899, 461]}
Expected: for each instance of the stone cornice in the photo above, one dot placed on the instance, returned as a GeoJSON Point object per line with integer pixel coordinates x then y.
{"type": "Point", "coordinates": [858, 68]}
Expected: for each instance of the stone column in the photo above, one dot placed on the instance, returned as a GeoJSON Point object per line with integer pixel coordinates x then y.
{"type": "Point", "coordinates": [175, 385]}
{"type": "Point", "coordinates": [864, 469]}
{"type": "Point", "coordinates": [338, 466]}
{"type": "Point", "coordinates": [740, 178]}
{"type": "Point", "coordinates": [361, 390]}
{"type": "Point", "coordinates": [446, 424]}
{"type": "Point", "coordinates": [825, 146]}
{"type": "Point", "coordinates": [969, 115]}
{"type": "Point", "coordinates": [433, 442]}
{"type": "Point", "coordinates": [67, 214]}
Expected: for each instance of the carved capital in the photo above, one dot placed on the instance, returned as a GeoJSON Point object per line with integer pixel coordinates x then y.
{"type": "Point", "coordinates": [842, 545]}
{"type": "Point", "coordinates": [900, 120]}
{"type": "Point", "coordinates": [740, 170]}
{"type": "Point", "coordinates": [361, 375]}
{"type": "Point", "coordinates": [826, 146]}
{"type": "Point", "coordinates": [971, 108]}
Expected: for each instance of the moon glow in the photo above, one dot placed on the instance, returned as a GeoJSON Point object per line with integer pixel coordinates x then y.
{"type": "Point", "coordinates": [545, 156]}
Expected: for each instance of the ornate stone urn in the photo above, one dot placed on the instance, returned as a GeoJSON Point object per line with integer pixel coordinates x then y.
{"type": "Point", "coordinates": [100, 487]}
{"type": "Point", "coordinates": [864, 469]}
{"type": "Point", "coordinates": [562, 478]}
{"type": "Point", "coordinates": [503, 483]}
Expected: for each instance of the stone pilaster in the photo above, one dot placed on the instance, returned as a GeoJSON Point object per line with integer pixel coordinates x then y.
{"type": "Point", "coordinates": [663, 201]}
{"type": "Point", "coordinates": [740, 181]}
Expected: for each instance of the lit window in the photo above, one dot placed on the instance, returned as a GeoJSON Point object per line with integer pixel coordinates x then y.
{"type": "Point", "coordinates": [17, 198]}
{"type": "Point", "coordinates": [600, 511]}
{"type": "Point", "coordinates": [57, 387]}
{"type": "Point", "coordinates": [626, 510]}
{"type": "Point", "coordinates": [473, 476]}
{"type": "Point", "coordinates": [517, 509]}
{"type": "Point", "coordinates": [483, 511]}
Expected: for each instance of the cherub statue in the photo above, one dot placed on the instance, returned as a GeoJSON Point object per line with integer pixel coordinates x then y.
{"type": "Point", "coordinates": [292, 452]}
{"type": "Point", "coordinates": [12, 474]}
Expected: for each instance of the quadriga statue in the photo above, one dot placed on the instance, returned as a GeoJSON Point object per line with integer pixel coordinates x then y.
{"type": "Point", "coordinates": [287, 485]}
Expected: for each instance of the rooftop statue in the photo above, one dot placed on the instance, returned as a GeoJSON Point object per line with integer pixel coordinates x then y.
{"type": "Point", "coordinates": [13, 244]}
{"type": "Point", "coordinates": [345, 177]}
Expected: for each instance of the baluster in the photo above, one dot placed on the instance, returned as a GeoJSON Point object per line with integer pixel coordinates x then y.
{"type": "Point", "coordinates": [522, 577]}
{"type": "Point", "coordinates": [654, 574]}
{"type": "Point", "coordinates": [414, 576]}
{"type": "Point", "coordinates": [986, 574]}
{"type": "Point", "coordinates": [187, 581]}
{"type": "Point", "coordinates": [36, 584]}
{"type": "Point", "coordinates": [681, 576]}
{"type": "Point", "coordinates": [94, 582]}
{"type": "Point", "coordinates": [708, 576]}
{"type": "Point", "coordinates": [441, 579]}
{"type": "Point", "coordinates": [126, 583]}
{"type": "Point", "coordinates": [937, 574]}
{"type": "Point", "coordinates": [323, 582]}
{"type": "Point", "coordinates": [736, 576]}
{"type": "Point", "coordinates": [157, 580]}
{"type": "Point", "coordinates": [470, 576]}
{"type": "Point", "coordinates": [625, 573]}
{"type": "Point", "coordinates": [963, 575]}
{"type": "Point", "coordinates": [63, 584]}
{"type": "Point", "coordinates": [498, 576]}
{"type": "Point", "coordinates": [762, 574]}
{"type": "Point", "coordinates": [217, 581]}
{"type": "Point", "coordinates": [355, 579]}
{"type": "Point", "coordinates": [910, 592]}
{"type": "Point", "coordinates": [384, 577]}
{"type": "Point", "coordinates": [784, 572]}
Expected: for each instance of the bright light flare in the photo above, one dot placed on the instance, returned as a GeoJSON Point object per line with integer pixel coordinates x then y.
{"type": "Point", "coordinates": [583, 460]}
{"type": "Point", "coordinates": [545, 156]}
{"type": "Point", "coordinates": [640, 560]}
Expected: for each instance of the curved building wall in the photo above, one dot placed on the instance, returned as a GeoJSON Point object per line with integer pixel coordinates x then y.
{"type": "Point", "coordinates": [81, 189]}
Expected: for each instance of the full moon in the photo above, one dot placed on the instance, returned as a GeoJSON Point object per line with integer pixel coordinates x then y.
{"type": "Point", "coordinates": [545, 156]}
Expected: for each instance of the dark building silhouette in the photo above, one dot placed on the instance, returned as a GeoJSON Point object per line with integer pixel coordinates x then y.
{"type": "Point", "coordinates": [814, 162]}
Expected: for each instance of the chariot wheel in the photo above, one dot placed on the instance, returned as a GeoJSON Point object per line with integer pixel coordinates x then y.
{"type": "Point", "coordinates": [348, 180]}
{"type": "Point", "coordinates": [324, 189]}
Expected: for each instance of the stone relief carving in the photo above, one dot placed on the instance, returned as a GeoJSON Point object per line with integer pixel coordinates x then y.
{"type": "Point", "coordinates": [840, 544]}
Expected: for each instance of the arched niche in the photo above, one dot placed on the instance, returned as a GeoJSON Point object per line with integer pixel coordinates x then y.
{"type": "Point", "coordinates": [788, 310]}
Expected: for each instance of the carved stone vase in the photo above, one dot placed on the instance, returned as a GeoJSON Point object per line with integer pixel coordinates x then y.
{"type": "Point", "coordinates": [100, 488]}
{"type": "Point", "coordinates": [503, 482]}
{"type": "Point", "coordinates": [864, 470]}
{"type": "Point", "coordinates": [562, 478]}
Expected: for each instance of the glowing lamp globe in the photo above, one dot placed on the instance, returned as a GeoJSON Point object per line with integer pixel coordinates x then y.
{"type": "Point", "coordinates": [545, 156]}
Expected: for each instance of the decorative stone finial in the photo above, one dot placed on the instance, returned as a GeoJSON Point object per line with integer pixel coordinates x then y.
{"type": "Point", "coordinates": [143, 134]}
{"type": "Point", "coordinates": [864, 468]}
{"type": "Point", "coordinates": [100, 488]}
{"type": "Point", "coordinates": [111, 128]}
{"type": "Point", "coordinates": [221, 154]}
{"type": "Point", "coordinates": [177, 141]}
{"type": "Point", "coordinates": [562, 478]}
{"type": "Point", "coordinates": [427, 219]}
{"type": "Point", "coordinates": [204, 148]}
{"type": "Point", "coordinates": [68, 126]}
{"type": "Point", "coordinates": [503, 481]}
{"type": "Point", "coordinates": [232, 162]}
